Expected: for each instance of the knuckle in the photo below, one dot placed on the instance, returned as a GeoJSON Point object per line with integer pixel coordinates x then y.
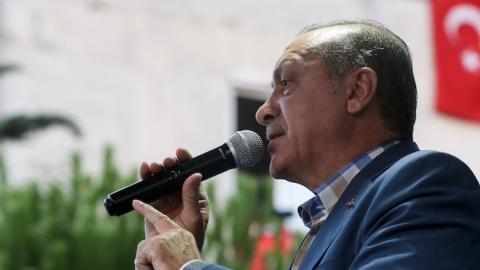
{"type": "Point", "coordinates": [140, 254]}
{"type": "Point", "coordinates": [174, 232]}
{"type": "Point", "coordinates": [140, 245]}
{"type": "Point", "coordinates": [158, 244]}
{"type": "Point", "coordinates": [154, 254]}
{"type": "Point", "coordinates": [189, 238]}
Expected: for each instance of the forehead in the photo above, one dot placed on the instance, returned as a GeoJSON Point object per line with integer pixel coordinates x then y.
{"type": "Point", "coordinates": [297, 52]}
{"type": "Point", "coordinates": [300, 50]}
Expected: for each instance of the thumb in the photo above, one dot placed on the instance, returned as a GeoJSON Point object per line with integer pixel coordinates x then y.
{"type": "Point", "coordinates": [190, 195]}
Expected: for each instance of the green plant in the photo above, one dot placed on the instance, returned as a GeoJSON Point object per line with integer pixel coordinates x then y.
{"type": "Point", "coordinates": [58, 226]}
{"type": "Point", "coordinates": [17, 127]}
{"type": "Point", "coordinates": [6, 68]}
{"type": "Point", "coordinates": [237, 225]}
{"type": "Point", "coordinates": [64, 226]}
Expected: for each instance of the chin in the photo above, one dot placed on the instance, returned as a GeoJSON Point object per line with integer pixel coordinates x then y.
{"type": "Point", "coordinates": [277, 171]}
{"type": "Point", "coordinates": [275, 175]}
{"type": "Point", "coordinates": [284, 169]}
{"type": "Point", "coordinates": [282, 160]}
{"type": "Point", "coordinates": [273, 171]}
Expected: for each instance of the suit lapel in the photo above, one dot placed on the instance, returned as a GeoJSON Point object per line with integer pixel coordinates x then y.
{"type": "Point", "coordinates": [345, 205]}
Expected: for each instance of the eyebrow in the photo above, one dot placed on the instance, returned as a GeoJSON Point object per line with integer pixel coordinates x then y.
{"type": "Point", "coordinates": [277, 74]}
{"type": "Point", "coordinates": [278, 71]}
{"type": "Point", "coordinates": [280, 67]}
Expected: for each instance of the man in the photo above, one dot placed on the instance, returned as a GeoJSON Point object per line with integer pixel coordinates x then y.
{"type": "Point", "coordinates": [339, 121]}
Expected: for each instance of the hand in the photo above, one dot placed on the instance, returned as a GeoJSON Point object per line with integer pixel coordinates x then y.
{"type": "Point", "coordinates": [167, 245]}
{"type": "Point", "coordinates": [189, 207]}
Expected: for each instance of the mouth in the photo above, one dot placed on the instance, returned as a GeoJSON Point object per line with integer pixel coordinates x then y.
{"type": "Point", "coordinates": [272, 135]}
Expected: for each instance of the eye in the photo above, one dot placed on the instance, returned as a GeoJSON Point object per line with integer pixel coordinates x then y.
{"type": "Point", "coordinates": [285, 84]}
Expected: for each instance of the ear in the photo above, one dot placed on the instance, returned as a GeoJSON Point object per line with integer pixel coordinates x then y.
{"type": "Point", "coordinates": [362, 85]}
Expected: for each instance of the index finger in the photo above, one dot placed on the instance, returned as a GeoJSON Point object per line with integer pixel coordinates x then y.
{"type": "Point", "coordinates": [160, 221]}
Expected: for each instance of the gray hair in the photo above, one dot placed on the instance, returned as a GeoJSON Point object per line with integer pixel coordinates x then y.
{"type": "Point", "coordinates": [372, 45]}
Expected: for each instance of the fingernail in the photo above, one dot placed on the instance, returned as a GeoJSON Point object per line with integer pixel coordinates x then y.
{"type": "Point", "coordinates": [137, 203]}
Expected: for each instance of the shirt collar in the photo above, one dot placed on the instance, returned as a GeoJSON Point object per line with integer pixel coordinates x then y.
{"type": "Point", "coordinates": [317, 209]}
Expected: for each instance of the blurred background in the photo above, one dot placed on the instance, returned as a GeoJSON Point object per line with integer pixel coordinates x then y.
{"type": "Point", "coordinates": [120, 82]}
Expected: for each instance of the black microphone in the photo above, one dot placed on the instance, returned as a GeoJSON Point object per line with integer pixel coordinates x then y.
{"type": "Point", "coordinates": [244, 149]}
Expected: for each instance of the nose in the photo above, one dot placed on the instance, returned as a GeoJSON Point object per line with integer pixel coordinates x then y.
{"type": "Point", "coordinates": [265, 113]}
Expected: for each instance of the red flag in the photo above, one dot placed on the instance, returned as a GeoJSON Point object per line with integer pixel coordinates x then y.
{"type": "Point", "coordinates": [456, 27]}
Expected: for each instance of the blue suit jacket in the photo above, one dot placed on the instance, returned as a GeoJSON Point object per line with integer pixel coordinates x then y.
{"type": "Point", "coordinates": [411, 210]}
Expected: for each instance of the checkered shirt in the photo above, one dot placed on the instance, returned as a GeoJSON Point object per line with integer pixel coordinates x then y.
{"type": "Point", "coordinates": [316, 210]}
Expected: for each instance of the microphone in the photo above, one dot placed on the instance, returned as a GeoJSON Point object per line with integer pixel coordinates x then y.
{"type": "Point", "coordinates": [244, 149]}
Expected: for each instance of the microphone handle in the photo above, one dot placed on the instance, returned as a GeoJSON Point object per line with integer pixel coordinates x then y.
{"type": "Point", "coordinates": [166, 182]}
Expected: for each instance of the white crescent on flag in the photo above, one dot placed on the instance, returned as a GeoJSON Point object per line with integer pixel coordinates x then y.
{"type": "Point", "coordinates": [465, 14]}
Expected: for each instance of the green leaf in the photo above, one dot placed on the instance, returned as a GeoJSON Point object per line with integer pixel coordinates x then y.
{"type": "Point", "coordinates": [19, 126]}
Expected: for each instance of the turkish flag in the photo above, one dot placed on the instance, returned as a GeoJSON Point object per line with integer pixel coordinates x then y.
{"type": "Point", "coordinates": [456, 28]}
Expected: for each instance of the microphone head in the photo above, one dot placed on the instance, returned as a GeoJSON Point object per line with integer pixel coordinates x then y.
{"type": "Point", "coordinates": [247, 148]}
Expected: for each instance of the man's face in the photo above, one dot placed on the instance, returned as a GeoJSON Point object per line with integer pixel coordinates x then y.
{"type": "Point", "coordinates": [303, 115]}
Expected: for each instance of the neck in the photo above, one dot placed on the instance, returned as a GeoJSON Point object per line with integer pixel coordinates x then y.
{"type": "Point", "coordinates": [346, 150]}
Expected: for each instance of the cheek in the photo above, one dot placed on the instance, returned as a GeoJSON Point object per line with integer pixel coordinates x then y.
{"type": "Point", "coordinates": [299, 118]}
{"type": "Point", "coordinates": [293, 111]}
{"type": "Point", "coordinates": [299, 132]}
{"type": "Point", "coordinates": [309, 127]}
